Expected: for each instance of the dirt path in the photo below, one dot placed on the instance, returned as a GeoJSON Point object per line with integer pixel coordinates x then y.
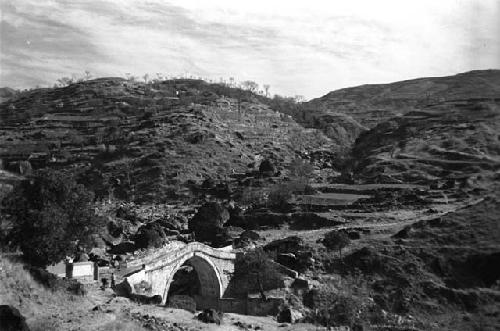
{"type": "Point", "coordinates": [311, 236]}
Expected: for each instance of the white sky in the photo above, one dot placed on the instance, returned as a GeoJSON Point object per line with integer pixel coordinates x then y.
{"type": "Point", "coordinates": [298, 47]}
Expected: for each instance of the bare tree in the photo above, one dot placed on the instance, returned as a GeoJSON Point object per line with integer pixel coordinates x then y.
{"type": "Point", "coordinates": [64, 81]}
{"type": "Point", "coordinates": [299, 98]}
{"type": "Point", "coordinates": [87, 75]}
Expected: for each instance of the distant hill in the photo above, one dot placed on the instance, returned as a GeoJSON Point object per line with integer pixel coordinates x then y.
{"type": "Point", "coordinates": [144, 141]}
{"type": "Point", "coordinates": [343, 114]}
{"type": "Point", "coordinates": [7, 93]}
{"type": "Point", "coordinates": [454, 142]}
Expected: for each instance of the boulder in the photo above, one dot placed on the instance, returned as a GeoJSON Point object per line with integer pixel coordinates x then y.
{"type": "Point", "coordinates": [291, 244]}
{"type": "Point", "coordinates": [289, 315]}
{"type": "Point", "coordinates": [115, 229]}
{"type": "Point", "coordinates": [250, 235]}
{"type": "Point", "coordinates": [11, 319]}
{"type": "Point", "coordinates": [209, 221]}
{"type": "Point", "coordinates": [150, 235]}
{"type": "Point", "coordinates": [211, 316]}
{"type": "Point", "coordinates": [300, 283]}
{"type": "Point", "coordinates": [123, 248]}
{"type": "Point", "coordinates": [123, 289]}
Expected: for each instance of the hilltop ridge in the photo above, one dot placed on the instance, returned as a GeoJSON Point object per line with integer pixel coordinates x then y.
{"type": "Point", "coordinates": [357, 109]}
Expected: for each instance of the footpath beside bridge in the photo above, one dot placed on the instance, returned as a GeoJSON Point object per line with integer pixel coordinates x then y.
{"type": "Point", "coordinates": [214, 267]}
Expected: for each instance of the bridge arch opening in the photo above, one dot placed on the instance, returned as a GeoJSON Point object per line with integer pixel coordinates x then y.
{"type": "Point", "coordinates": [196, 276]}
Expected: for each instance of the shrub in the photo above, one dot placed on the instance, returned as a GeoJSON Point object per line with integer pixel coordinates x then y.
{"type": "Point", "coordinates": [252, 197]}
{"type": "Point", "coordinates": [267, 167]}
{"type": "Point", "coordinates": [279, 196]}
{"type": "Point", "coordinates": [336, 240]}
{"type": "Point", "coordinates": [257, 271]}
{"type": "Point", "coordinates": [340, 312]}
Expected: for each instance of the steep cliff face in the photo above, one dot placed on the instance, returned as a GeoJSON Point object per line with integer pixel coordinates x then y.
{"type": "Point", "coordinates": [146, 139]}
{"type": "Point", "coordinates": [366, 106]}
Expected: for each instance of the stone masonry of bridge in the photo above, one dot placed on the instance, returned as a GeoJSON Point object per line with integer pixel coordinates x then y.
{"type": "Point", "coordinates": [214, 266]}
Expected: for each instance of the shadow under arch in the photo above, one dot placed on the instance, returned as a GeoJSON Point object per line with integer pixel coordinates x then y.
{"type": "Point", "coordinates": [207, 272]}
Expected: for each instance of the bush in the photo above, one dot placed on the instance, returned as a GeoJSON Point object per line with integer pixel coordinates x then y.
{"type": "Point", "coordinates": [341, 312]}
{"type": "Point", "coordinates": [267, 167]}
{"type": "Point", "coordinates": [252, 197]}
{"type": "Point", "coordinates": [52, 215]}
{"type": "Point", "coordinates": [336, 240]}
{"type": "Point", "coordinates": [279, 196]}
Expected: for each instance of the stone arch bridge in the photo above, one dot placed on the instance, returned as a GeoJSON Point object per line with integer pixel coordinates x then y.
{"type": "Point", "coordinates": [214, 267]}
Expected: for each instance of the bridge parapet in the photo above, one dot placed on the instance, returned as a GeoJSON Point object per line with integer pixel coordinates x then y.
{"type": "Point", "coordinates": [214, 266]}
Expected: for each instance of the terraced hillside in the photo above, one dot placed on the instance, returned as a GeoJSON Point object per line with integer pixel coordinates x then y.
{"type": "Point", "coordinates": [344, 113]}
{"type": "Point", "coordinates": [144, 140]}
{"type": "Point", "coordinates": [454, 143]}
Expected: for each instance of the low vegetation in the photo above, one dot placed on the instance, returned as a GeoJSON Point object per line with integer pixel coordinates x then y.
{"type": "Point", "coordinates": [52, 217]}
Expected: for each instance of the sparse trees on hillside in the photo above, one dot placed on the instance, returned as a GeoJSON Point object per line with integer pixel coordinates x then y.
{"type": "Point", "coordinates": [52, 215]}
{"type": "Point", "coordinates": [64, 81]}
{"type": "Point", "coordinates": [130, 77]}
{"type": "Point", "coordinates": [250, 86]}
{"type": "Point", "coordinates": [299, 98]}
